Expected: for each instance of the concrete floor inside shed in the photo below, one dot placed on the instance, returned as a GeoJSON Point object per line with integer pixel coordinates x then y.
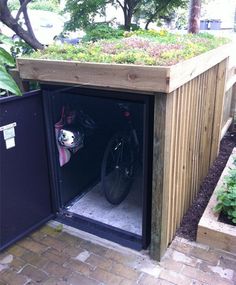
{"type": "Point", "coordinates": [126, 216]}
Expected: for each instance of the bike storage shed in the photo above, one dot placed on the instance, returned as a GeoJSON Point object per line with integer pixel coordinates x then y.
{"type": "Point", "coordinates": [167, 120]}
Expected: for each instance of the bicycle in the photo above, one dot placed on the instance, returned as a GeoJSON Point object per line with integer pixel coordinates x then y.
{"type": "Point", "coordinates": [120, 160]}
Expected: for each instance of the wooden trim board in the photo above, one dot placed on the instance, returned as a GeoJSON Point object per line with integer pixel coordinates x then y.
{"type": "Point", "coordinates": [149, 79]}
{"type": "Point", "coordinates": [210, 230]}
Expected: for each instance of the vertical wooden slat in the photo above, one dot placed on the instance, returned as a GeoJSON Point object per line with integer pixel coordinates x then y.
{"type": "Point", "coordinates": [170, 168]}
{"type": "Point", "coordinates": [220, 91]}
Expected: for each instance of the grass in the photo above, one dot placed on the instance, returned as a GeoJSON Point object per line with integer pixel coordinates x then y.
{"type": "Point", "coordinates": [140, 48]}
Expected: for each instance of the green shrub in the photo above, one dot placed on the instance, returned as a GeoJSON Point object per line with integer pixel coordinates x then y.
{"type": "Point", "coordinates": [226, 197]}
{"type": "Point", "coordinates": [97, 32]}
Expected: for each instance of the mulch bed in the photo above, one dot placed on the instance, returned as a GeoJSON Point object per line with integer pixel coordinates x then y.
{"type": "Point", "coordinates": [188, 227]}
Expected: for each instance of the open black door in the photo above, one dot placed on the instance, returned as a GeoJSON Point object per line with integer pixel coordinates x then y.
{"type": "Point", "coordinates": [25, 195]}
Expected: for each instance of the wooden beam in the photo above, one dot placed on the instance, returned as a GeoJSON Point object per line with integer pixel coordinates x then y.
{"type": "Point", "coordinates": [116, 76]}
{"type": "Point", "coordinates": [191, 68]}
{"type": "Point", "coordinates": [210, 230]}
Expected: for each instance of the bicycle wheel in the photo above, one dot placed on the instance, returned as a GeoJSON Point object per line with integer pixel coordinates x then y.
{"type": "Point", "coordinates": [117, 169]}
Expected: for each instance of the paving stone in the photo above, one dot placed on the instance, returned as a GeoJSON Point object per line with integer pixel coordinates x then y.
{"type": "Point", "coordinates": [77, 279]}
{"type": "Point", "coordinates": [126, 259]}
{"type": "Point", "coordinates": [149, 280]}
{"type": "Point", "coordinates": [3, 267]}
{"type": "Point", "coordinates": [175, 277]}
{"type": "Point", "coordinates": [218, 270]}
{"type": "Point", "coordinates": [63, 259]}
{"type": "Point", "coordinates": [54, 243]}
{"type": "Point", "coordinates": [4, 254]}
{"type": "Point", "coordinates": [72, 251]}
{"type": "Point", "coordinates": [196, 282]}
{"type": "Point", "coordinates": [13, 278]}
{"type": "Point", "coordinates": [128, 282]}
{"type": "Point", "coordinates": [181, 246]}
{"type": "Point", "coordinates": [225, 254]}
{"type": "Point", "coordinates": [37, 236]}
{"type": "Point", "coordinates": [55, 281]}
{"type": "Point", "coordinates": [99, 261]}
{"type": "Point", "coordinates": [69, 239]}
{"type": "Point", "coordinates": [80, 267]}
{"type": "Point", "coordinates": [172, 265]}
{"type": "Point", "coordinates": [83, 256]}
{"type": "Point", "coordinates": [47, 230]}
{"type": "Point", "coordinates": [17, 264]}
{"type": "Point", "coordinates": [17, 250]}
{"type": "Point", "coordinates": [55, 256]}
{"type": "Point", "coordinates": [204, 277]}
{"type": "Point", "coordinates": [184, 259]}
{"type": "Point", "coordinates": [32, 245]}
{"type": "Point", "coordinates": [95, 248]}
{"type": "Point", "coordinates": [34, 259]}
{"type": "Point", "coordinates": [209, 256]}
{"type": "Point", "coordinates": [105, 277]}
{"type": "Point", "coordinates": [55, 270]}
{"type": "Point", "coordinates": [227, 263]}
{"type": "Point", "coordinates": [34, 273]}
{"type": "Point", "coordinates": [124, 271]}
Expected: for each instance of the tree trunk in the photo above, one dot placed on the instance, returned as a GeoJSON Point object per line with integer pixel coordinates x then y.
{"type": "Point", "coordinates": [194, 16]}
{"type": "Point", "coordinates": [8, 20]}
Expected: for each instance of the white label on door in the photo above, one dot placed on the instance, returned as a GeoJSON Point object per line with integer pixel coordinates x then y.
{"type": "Point", "coordinates": [10, 143]}
{"type": "Point", "coordinates": [9, 133]}
{"type": "Point", "coordinates": [9, 126]}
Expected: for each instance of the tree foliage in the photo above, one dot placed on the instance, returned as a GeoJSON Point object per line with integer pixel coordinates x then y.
{"type": "Point", "coordinates": [83, 12]}
{"type": "Point", "coordinates": [156, 9]}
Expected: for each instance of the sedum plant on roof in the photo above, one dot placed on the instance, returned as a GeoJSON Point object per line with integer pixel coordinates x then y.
{"type": "Point", "coordinates": [139, 47]}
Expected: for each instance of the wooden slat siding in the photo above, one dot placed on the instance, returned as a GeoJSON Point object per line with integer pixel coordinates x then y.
{"type": "Point", "coordinates": [218, 111]}
{"type": "Point", "coordinates": [189, 131]}
{"type": "Point", "coordinates": [158, 174]}
{"type": "Point", "coordinates": [227, 107]}
{"type": "Point", "coordinates": [233, 103]}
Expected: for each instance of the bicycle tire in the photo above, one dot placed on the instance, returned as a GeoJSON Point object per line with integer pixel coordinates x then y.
{"type": "Point", "coordinates": [117, 169]}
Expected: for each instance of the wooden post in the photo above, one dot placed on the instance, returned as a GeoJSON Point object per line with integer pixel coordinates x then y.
{"type": "Point", "coordinates": [158, 173]}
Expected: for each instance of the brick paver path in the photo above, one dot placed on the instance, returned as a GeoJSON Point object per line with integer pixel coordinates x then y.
{"type": "Point", "coordinates": [54, 257]}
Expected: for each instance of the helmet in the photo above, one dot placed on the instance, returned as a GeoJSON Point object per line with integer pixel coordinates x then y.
{"type": "Point", "coordinates": [70, 137]}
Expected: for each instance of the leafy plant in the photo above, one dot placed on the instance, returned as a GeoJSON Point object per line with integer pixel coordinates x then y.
{"type": "Point", "coordinates": [97, 32]}
{"type": "Point", "coordinates": [7, 84]}
{"type": "Point", "coordinates": [20, 48]}
{"type": "Point", "coordinates": [226, 197]}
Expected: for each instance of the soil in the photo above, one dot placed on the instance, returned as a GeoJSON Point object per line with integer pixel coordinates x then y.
{"type": "Point", "coordinates": [188, 227]}
{"type": "Point", "coordinates": [224, 219]}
